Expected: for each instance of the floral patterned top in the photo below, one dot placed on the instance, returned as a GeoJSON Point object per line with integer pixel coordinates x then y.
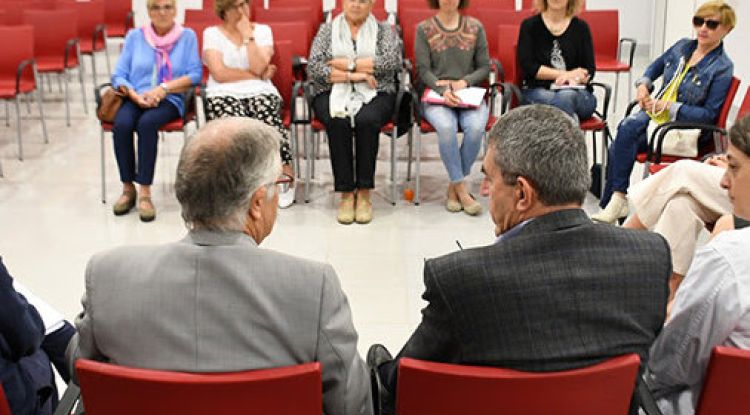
{"type": "Point", "coordinates": [455, 54]}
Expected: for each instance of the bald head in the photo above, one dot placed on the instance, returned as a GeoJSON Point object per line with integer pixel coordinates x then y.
{"type": "Point", "coordinates": [220, 169]}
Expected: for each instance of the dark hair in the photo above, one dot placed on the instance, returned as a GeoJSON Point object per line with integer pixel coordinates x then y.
{"type": "Point", "coordinates": [739, 135]}
{"type": "Point", "coordinates": [435, 4]}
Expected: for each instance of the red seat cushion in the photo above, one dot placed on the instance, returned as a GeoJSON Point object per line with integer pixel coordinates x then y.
{"type": "Point", "coordinates": [8, 87]}
{"type": "Point", "coordinates": [87, 48]}
{"type": "Point", "coordinates": [172, 126]}
{"type": "Point", "coordinates": [611, 65]}
{"type": "Point", "coordinates": [593, 124]}
{"type": "Point", "coordinates": [317, 125]}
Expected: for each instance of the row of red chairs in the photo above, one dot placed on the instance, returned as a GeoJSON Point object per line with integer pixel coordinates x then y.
{"type": "Point", "coordinates": [423, 388]}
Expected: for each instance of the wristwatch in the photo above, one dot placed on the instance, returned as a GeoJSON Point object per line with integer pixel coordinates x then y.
{"type": "Point", "coordinates": [163, 86]}
{"type": "Point", "coordinates": [246, 41]}
{"type": "Point", "coordinates": [352, 65]}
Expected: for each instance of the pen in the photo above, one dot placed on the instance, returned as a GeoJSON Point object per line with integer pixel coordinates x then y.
{"type": "Point", "coordinates": [459, 245]}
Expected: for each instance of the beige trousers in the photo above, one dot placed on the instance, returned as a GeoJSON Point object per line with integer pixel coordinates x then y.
{"type": "Point", "coordinates": [678, 202]}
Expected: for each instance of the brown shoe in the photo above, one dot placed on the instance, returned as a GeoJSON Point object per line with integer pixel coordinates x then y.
{"type": "Point", "coordinates": [125, 202]}
{"type": "Point", "coordinates": [346, 211]}
{"type": "Point", "coordinates": [363, 214]}
{"type": "Point", "coordinates": [147, 213]}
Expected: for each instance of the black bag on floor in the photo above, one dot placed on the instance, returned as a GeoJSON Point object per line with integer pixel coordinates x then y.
{"type": "Point", "coordinates": [596, 180]}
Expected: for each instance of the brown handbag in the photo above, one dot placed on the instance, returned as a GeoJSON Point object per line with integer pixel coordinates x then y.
{"type": "Point", "coordinates": [110, 103]}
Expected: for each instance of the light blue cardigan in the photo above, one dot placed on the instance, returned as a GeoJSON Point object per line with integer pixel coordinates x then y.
{"type": "Point", "coordinates": [136, 67]}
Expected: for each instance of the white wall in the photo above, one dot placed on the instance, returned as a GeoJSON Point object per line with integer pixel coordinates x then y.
{"type": "Point", "coordinates": [635, 19]}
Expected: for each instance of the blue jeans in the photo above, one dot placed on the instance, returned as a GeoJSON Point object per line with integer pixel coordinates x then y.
{"type": "Point", "coordinates": [146, 122]}
{"type": "Point", "coordinates": [630, 140]}
{"type": "Point", "coordinates": [578, 103]}
{"type": "Point", "coordinates": [446, 121]}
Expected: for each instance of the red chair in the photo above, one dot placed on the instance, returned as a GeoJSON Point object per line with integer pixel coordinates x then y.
{"type": "Point", "coordinates": [176, 125]}
{"type": "Point", "coordinates": [440, 388]}
{"type": "Point", "coordinates": [608, 46]}
{"type": "Point", "coordinates": [56, 47]}
{"type": "Point", "coordinates": [14, 9]}
{"type": "Point", "coordinates": [118, 390]}
{"type": "Point", "coordinates": [118, 16]}
{"type": "Point", "coordinates": [201, 16]}
{"type": "Point", "coordinates": [654, 160]}
{"type": "Point", "coordinates": [529, 5]}
{"type": "Point", "coordinates": [745, 106]}
{"type": "Point", "coordinates": [2, 16]}
{"type": "Point", "coordinates": [484, 8]}
{"type": "Point", "coordinates": [726, 384]}
{"type": "Point", "coordinates": [289, 14]}
{"type": "Point", "coordinates": [18, 73]}
{"type": "Point", "coordinates": [92, 31]}
{"type": "Point", "coordinates": [378, 11]}
{"type": "Point", "coordinates": [4, 408]}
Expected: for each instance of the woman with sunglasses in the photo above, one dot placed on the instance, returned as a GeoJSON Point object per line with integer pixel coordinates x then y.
{"type": "Point", "coordinates": [158, 62]}
{"type": "Point", "coordinates": [702, 72]}
{"type": "Point", "coordinates": [238, 56]}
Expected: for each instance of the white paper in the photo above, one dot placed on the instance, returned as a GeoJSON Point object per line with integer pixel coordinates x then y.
{"type": "Point", "coordinates": [555, 86]}
{"type": "Point", "coordinates": [471, 96]}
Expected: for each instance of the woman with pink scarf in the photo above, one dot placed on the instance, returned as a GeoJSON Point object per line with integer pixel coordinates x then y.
{"type": "Point", "coordinates": [158, 62]}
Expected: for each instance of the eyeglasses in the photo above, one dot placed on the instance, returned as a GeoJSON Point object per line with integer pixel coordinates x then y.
{"type": "Point", "coordinates": [710, 24]}
{"type": "Point", "coordinates": [283, 183]}
{"type": "Point", "coordinates": [164, 8]}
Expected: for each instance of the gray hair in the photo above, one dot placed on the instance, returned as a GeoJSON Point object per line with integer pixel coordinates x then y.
{"type": "Point", "coordinates": [221, 168]}
{"type": "Point", "coordinates": [544, 145]}
{"type": "Point", "coordinates": [739, 135]}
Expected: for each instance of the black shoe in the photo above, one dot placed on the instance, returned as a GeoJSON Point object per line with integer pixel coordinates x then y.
{"type": "Point", "coordinates": [377, 355]}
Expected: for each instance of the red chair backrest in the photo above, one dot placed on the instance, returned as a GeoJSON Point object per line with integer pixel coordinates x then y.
{"type": "Point", "coordinates": [284, 77]}
{"type": "Point", "coordinates": [287, 14]}
{"type": "Point", "coordinates": [300, 33]}
{"type": "Point", "coordinates": [745, 107]}
{"type": "Point", "coordinates": [14, 9]}
{"type": "Point", "coordinates": [116, 390]}
{"type": "Point", "coordinates": [4, 408]}
{"type": "Point", "coordinates": [727, 382]}
{"type": "Point", "coordinates": [2, 16]}
{"type": "Point", "coordinates": [727, 106]}
{"type": "Point", "coordinates": [17, 51]}
{"type": "Point", "coordinates": [115, 16]}
{"type": "Point", "coordinates": [201, 16]}
{"type": "Point", "coordinates": [440, 388]}
{"type": "Point", "coordinates": [379, 13]}
{"type": "Point", "coordinates": [52, 30]}
{"type": "Point", "coordinates": [89, 15]}
{"type": "Point", "coordinates": [479, 8]}
{"type": "Point", "coordinates": [492, 20]}
{"type": "Point", "coordinates": [507, 44]}
{"type": "Point", "coordinates": [409, 19]}
{"type": "Point", "coordinates": [605, 31]}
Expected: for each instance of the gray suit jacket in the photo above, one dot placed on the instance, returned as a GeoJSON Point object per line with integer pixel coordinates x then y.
{"type": "Point", "coordinates": [215, 302]}
{"type": "Point", "coordinates": [562, 293]}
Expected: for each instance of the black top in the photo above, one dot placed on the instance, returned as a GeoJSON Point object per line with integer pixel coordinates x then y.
{"type": "Point", "coordinates": [536, 46]}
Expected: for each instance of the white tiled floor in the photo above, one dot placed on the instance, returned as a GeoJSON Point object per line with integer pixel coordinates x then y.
{"type": "Point", "coordinates": [52, 220]}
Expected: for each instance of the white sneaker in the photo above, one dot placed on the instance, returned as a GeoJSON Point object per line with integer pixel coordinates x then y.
{"type": "Point", "coordinates": [287, 198]}
{"type": "Point", "coordinates": [617, 208]}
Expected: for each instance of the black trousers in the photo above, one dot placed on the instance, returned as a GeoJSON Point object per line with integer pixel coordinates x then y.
{"type": "Point", "coordinates": [341, 140]}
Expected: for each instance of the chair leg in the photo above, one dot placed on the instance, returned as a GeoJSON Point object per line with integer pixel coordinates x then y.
{"type": "Point", "coordinates": [80, 80]}
{"type": "Point", "coordinates": [59, 83]}
{"type": "Point", "coordinates": [393, 167]}
{"type": "Point", "coordinates": [27, 99]}
{"type": "Point", "coordinates": [646, 166]}
{"type": "Point", "coordinates": [67, 98]}
{"type": "Point", "coordinates": [101, 160]}
{"type": "Point", "coordinates": [617, 88]}
{"type": "Point", "coordinates": [109, 68]}
{"type": "Point", "coordinates": [18, 128]}
{"type": "Point", "coordinates": [630, 83]}
{"type": "Point", "coordinates": [39, 100]}
{"type": "Point", "coordinates": [408, 157]}
{"type": "Point", "coordinates": [295, 148]}
{"type": "Point", "coordinates": [418, 196]}
{"type": "Point", "coordinates": [309, 165]}
{"type": "Point", "coordinates": [93, 69]}
{"type": "Point", "coordinates": [7, 114]}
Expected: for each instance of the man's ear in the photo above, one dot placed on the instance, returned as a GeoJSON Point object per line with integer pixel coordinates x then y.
{"type": "Point", "coordinates": [256, 203]}
{"type": "Point", "coordinates": [525, 194]}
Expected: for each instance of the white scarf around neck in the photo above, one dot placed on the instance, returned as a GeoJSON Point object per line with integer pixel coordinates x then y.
{"type": "Point", "coordinates": [347, 99]}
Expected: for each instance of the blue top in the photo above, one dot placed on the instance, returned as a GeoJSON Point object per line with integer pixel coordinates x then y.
{"type": "Point", "coordinates": [704, 89]}
{"type": "Point", "coordinates": [21, 335]}
{"type": "Point", "coordinates": [136, 67]}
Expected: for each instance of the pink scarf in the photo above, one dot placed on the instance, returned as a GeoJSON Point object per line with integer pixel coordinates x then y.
{"type": "Point", "coordinates": [162, 45]}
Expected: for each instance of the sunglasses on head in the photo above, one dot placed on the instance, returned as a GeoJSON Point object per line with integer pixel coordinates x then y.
{"type": "Point", "coordinates": [710, 24]}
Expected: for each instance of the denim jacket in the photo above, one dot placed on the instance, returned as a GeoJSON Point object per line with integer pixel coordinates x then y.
{"type": "Point", "coordinates": [701, 94]}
